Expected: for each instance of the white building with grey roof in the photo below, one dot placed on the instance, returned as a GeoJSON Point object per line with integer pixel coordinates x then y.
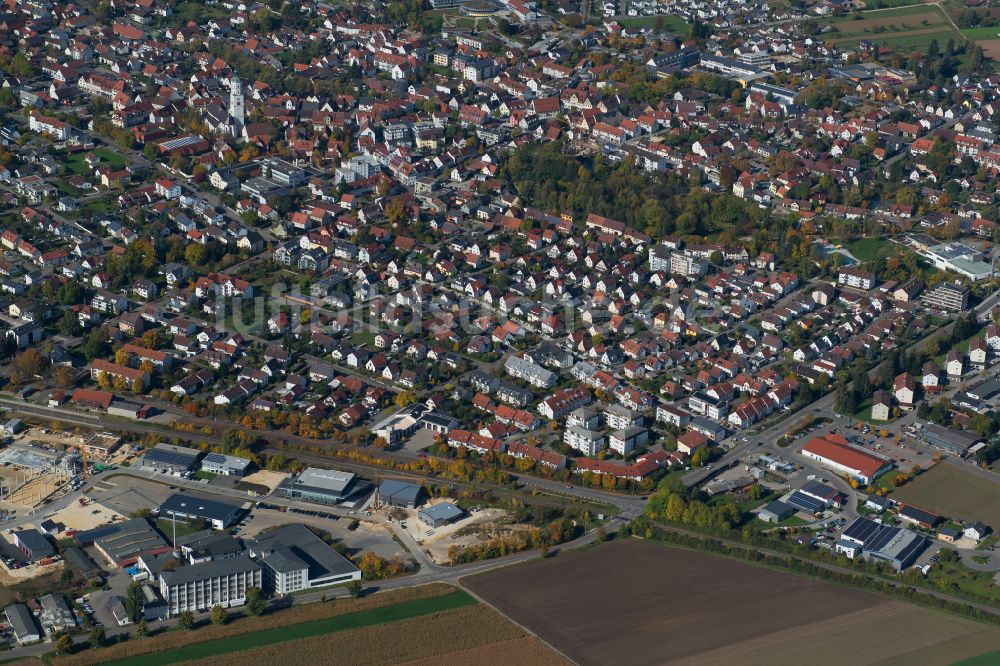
{"type": "Point", "coordinates": [199, 587]}
{"type": "Point", "coordinates": [294, 558]}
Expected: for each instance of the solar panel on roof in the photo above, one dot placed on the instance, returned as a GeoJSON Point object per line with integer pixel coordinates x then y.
{"type": "Point", "coordinates": [861, 529]}
{"type": "Point", "coordinates": [168, 457]}
{"type": "Point", "coordinates": [806, 503]}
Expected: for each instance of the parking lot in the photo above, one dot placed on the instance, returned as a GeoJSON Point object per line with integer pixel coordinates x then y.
{"type": "Point", "coordinates": [367, 536]}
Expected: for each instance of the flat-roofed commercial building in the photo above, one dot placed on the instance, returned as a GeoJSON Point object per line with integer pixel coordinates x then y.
{"type": "Point", "coordinates": [327, 486]}
{"type": "Point", "coordinates": [169, 459]}
{"type": "Point", "coordinates": [184, 506]}
{"type": "Point", "coordinates": [296, 559]}
{"type": "Point", "coordinates": [199, 587]}
{"type": "Point", "coordinates": [957, 442]}
{"type": "Point", "coordinates": [218, 463]}
{"type": "Point", "coordinates": [122, 543]}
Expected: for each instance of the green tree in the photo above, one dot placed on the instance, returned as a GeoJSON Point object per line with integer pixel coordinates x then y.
{"type": "Point", "coordinates": [64, 645]}
{"type": "Point", "coordinates": [142, 629]}
{"type": "Point", "coordinates": [96, 344]}
{"type": "Point", "coordinates": [354, 588]}
{"type": "Point", "coordinates": [219, 615]}
{"type": "Point", "coordinates": [186, 620]}
{"type": "Point", "coordinates": [255, 602]}
{"type": "Point", "coordinates": [844, 399]}
{"type": "Point", "coordinates": [133, 601]}
{"type": "Point", "coordinates": [69, 324]}
{"type": "Point", "coordinates": [98, 636]}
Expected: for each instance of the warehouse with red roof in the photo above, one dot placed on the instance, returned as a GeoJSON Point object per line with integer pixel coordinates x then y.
{"type": "Point", "coordinates": [835, 452]}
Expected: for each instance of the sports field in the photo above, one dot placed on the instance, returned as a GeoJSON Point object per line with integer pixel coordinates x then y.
{"type": "Point", "coordinates": [954, 493]}
{"type": "Point", "coordinates": [680, 606]}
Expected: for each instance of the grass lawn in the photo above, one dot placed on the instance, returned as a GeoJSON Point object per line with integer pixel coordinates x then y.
{"type": "Point", "coordinates": [885, 481]}
{"type": "Point", "coordinates": [367, 618]}
{"type": "Point", "coordinates": [955, 493]}
{"type": "Point", "coordinates": [865, 249]}
{"type": "Point", "coordinates": [863, 412]}
{"type": "Point", "coordinates": [794, 521]}
{"type": "Point", "coordinates": [184, 528]}
{"type": "Point", "coordinates": [202, 474]}
{"type": "Point", "coordinates": [363, 339]}
{"type": "Point", "coordinates": [105, 204]}
{"type": "Point", "coordinates": [75, 164]}
{"type": "Point", "coordinates": [962, 346]}
{"type": "Point", "coordinates": [968, 581]}
{"type": "Point", "coordinates": [671, 23]}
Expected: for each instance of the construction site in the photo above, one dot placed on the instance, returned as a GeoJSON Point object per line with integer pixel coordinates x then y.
{"type": "Point", "coordinates": [40, 464]}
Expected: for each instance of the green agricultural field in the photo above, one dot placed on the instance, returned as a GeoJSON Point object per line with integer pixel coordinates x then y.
{"type": "Point", "coordinates": [903, 28]}
{"type": "Point", "coordinates": [893, 13]}
{"type": "Point", "coordinates": [955, 493]}
{"type": "Point", "coordinates": [259, 639]}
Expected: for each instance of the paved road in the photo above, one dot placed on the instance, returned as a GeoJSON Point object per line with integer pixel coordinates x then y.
{"type": "Point", "coordinates": [630, 505]}
{"type": "Point", "coordinates": [428, 573]}
{"type": "Point", "coordinates": [821, 407]}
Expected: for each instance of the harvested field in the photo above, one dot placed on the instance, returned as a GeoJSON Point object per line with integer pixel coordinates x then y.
{"type": "Point", "coordinates": [160, 643]}
{"type": "Point", "coordinates": [275, 641]}
{"type": "Point", "coordinates": [991, 47]}
{"type": "Point", "coordinates": [690, 607]}
{"type": "Point", "coordinates": [953, 492]}
{"type": "Point", "coordinates": [457, 636]}
{"type": "Point", "coordinates": [527, 651]}
{"type": "Point", "coordinates": [865, 26]}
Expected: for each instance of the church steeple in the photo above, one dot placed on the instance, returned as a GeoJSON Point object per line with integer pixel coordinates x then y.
{"type": "Point", "coordinates": [237, 110]}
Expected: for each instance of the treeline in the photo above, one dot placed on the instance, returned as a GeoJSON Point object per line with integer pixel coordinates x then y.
{"type": "Point", "coordinates": [801, 566]}
{"type": "Point", "coordinates": [671, 502]}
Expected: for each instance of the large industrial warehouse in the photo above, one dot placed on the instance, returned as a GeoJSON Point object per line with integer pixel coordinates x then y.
{"type": "Point", "coordinates": [835, 452]}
